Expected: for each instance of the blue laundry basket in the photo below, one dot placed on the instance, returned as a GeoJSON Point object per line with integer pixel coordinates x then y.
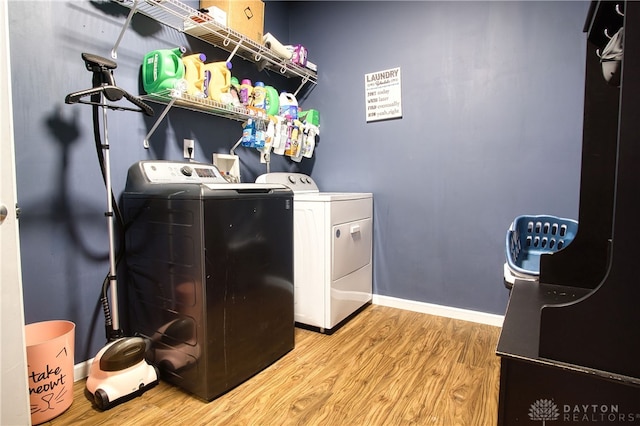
{"type": "Point", "coordinates": [529, 237]}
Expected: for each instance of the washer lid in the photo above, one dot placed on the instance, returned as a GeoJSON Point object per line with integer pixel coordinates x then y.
{"type": "Point", "coordinates": [247, 187]}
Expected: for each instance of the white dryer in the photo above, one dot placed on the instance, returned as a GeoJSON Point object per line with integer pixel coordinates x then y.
{"type": "Point", "coordinates": [333, 248]}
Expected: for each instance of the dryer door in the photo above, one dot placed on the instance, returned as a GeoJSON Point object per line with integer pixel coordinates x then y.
{"type": "Point", "coordinates": [352, 247]}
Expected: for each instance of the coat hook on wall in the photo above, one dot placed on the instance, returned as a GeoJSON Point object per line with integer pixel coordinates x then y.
{"type": "Point", "coordinates": [606, 33]}
{"type": "Point", "coordinates": [618, 11]}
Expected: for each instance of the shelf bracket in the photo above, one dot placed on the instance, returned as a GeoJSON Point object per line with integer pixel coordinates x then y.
{"type": "Point", "coordinates": [233, 52]}
{"type": "Point", "coordinates": [267, 160]}
{"type": "Point", "coordinates": [232, 151]}
{"type": "Point", "coordinates": [145, 143]}
{"type": "Point", "coordinates": [304, 81]}
{"type": "Point", "coordinates": [134, 9]}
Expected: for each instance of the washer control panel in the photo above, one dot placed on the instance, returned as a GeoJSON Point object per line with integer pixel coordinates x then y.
{"type": "Point", "coordinates": [297, 182]}
{"type": "Point", "coordinates": [181, 172]}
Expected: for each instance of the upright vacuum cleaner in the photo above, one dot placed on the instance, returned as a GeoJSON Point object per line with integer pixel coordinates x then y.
{"type": "Point", "coordinates": [119, 371]}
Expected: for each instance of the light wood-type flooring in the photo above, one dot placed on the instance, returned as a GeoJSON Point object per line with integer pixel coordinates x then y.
{"type": "Point", "coordinates": [385, 367]}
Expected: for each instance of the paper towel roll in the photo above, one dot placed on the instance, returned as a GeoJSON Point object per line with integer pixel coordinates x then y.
{"type": "Point", "coordinates": [276, 47]}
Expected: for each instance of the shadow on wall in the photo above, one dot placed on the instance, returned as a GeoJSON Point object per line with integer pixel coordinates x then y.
{"type": "Point", "coordinates": [66, 132]}
{"type": "Point", "coordinates": [72, 221]}
{"type": "Point", "coordinates": [145, 27]}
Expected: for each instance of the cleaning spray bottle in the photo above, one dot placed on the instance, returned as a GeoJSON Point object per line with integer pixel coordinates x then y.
{"type": "Point", "coordinates": [269, 134]}
{"type": "Point", "coordinates": [249, 134]}
{"type": "Point", "coordinates": [218, 75]}
{"type": "Point", "coordinates": [311, 122]}
{"type": "Point", "coordinates": [194, 74]}
{"type": "Point", "coordinates": [277, 134]}
{"type": "Point", "coordinates": [280, 135]}
{"type": "Point", "coordinates": [287, 135]}
{"type": "Point", "coordinates": [162, 69]}
{"type": "Point", "coordinates": [261, 134]}
{"type": "Point", "coordinates": [309, 145]}
{"type": "Point", "coordinates": [293, 148]}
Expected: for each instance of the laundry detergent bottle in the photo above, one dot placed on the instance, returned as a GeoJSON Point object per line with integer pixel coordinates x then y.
{"type": "Point", "coordinates": [272, 101]}
{"type": "Point", "coordinates": [288, 105]}
{"type": "Point", "coordinates": [246, 90]}
{"type": "Point", "coordinates": [218, 75]}
{"type": "Point", "coordinates": [194, 74]}
{"type": "Point", "coordinates": [163, 69]}
{"type": "Point", "coordinates": [259, 95]}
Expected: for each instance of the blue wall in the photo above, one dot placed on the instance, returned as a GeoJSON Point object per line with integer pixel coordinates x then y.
{"type": "Point", "coordinates": [492, 100]}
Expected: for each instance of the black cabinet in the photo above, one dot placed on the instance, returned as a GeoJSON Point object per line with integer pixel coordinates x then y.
{"type": "Point", "coordinates": [570, 344]}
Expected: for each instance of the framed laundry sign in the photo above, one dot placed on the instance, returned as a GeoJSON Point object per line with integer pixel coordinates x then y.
{"type": "Point", "coordinates": [383, 95]}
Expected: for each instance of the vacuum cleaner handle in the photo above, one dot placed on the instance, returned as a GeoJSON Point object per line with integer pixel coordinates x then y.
{"type": "Point", "coordinates": [123, 353]}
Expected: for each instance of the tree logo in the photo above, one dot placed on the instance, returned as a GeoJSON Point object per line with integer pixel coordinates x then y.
{"type": "Point", "coordinates": [544, 409]}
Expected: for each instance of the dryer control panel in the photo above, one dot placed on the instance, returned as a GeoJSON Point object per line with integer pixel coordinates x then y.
{"type": "Point", "coordinates": [297, 182]}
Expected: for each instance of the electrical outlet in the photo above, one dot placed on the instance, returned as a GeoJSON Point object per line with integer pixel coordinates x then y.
{"type": "Point", "coordinates": [189, 149]}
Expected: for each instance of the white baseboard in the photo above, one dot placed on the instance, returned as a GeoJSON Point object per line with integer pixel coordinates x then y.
{"type": "Point", "coordinates": [81, 370]}
{"type": "Point", "coordinates": [443, 311]}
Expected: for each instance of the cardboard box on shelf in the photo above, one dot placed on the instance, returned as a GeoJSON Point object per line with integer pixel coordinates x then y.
{"type": "Point", "coordinates": [243, 16]}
